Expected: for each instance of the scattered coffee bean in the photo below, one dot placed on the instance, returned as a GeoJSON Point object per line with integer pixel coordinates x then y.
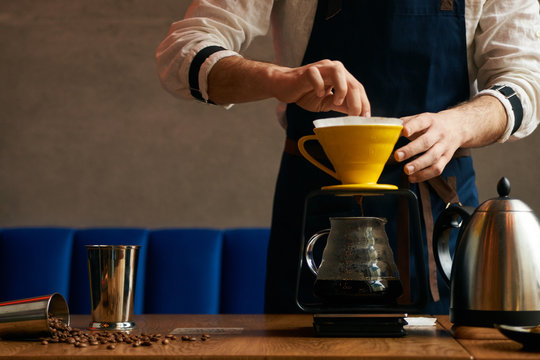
{"type": "Point", "coordinates": [60, 332]}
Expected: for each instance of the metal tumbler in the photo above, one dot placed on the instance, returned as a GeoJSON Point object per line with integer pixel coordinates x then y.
{"type": "Point", "coordinates": [28, 318]}
{"type": "Point", "coordinates": [113, 272]}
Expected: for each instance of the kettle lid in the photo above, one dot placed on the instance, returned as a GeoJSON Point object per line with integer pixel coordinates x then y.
{"type": "Point", "coordinates": [503, 202]}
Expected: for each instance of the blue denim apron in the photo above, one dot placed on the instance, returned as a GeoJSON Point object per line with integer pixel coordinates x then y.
{"type": "Point", "coordinates": [411, 58]}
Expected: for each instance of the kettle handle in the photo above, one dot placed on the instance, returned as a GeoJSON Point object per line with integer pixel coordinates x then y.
{"type": "Point", "coordinates": [447, 221]}
{"type": "Point", "coordinates": [309, 250]}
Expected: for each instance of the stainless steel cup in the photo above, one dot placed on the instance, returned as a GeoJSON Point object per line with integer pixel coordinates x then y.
{"type": "Point", "coordinates": [113, 272]}
{"type": "Point", "coordinates": [28, 318]}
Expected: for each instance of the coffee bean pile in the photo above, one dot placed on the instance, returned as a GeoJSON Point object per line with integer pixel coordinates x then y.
{"type": "Point", "coordinates": [63, 333]}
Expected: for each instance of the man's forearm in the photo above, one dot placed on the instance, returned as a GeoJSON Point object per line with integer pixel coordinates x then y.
{"type": "Point", "coordinates": [483, 121]}
{"type": "Point", "coordinates": [237, 80]}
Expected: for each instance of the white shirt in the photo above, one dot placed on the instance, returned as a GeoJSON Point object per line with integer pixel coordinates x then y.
{"type": "Point", "coordinates": [503, 45]}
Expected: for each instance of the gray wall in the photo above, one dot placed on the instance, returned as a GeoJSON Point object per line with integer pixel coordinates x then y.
{"type": "Point", "coordinates": [89, 138]}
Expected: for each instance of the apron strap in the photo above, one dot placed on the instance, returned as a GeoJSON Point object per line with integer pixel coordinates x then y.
{"type": "Point", "coordinates": [447, 191]}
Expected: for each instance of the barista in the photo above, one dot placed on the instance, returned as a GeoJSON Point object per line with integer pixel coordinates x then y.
{"type": "Point", "coordinates": [419, 60]}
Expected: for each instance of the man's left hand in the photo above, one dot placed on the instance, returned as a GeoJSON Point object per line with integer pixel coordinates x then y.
{"type": "Point", "coordinates": [435, 137]}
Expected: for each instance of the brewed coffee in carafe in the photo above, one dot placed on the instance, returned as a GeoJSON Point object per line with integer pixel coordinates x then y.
{"type": "Point", "coordinates": [357, 264]}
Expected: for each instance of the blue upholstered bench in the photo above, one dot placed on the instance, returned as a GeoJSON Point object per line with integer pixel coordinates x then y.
{"type": "Point", "coordinates": [197, 271]}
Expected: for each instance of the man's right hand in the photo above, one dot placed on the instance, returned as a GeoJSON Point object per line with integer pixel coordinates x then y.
{"type": "Point", "coordinates": [322, 86]}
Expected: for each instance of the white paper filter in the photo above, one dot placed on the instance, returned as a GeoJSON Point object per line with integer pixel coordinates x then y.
{"type": "Point", "coordinates": [356, 120]}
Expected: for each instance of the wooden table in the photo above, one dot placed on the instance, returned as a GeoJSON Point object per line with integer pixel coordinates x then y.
{"type": "Point", "coordinates": [272, 336]}
{"type": "Point", "coordinates": [486, 343]}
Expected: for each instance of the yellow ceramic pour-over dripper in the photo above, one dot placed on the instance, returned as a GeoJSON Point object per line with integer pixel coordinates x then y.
{"type": "Point", "coordinates": [357, 147]}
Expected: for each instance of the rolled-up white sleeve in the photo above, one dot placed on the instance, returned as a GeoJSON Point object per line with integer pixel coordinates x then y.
{"type": "Point", "coordinates": [507, 52]}
{"type": "Point", "coordinates": [231, 25]}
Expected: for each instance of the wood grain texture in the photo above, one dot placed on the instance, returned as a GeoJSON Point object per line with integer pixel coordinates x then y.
{"type": "Point", "coordinates": [498, 350]}
{"type": "Point", "coordinates": [470, 332]}
{"type": "Point", "coordinates": [486, 343]}
{"type": "Point", "coordinates": [263, 337]}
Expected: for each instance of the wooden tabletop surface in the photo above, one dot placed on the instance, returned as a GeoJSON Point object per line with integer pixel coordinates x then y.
{"type": "Point", "coordinates": [486, 343]}
{"type": "Point", "coordinates": [272, 336]}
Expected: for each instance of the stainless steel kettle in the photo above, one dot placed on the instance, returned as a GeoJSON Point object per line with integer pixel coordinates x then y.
{"type": "Point", "coordinates": [494, 277]}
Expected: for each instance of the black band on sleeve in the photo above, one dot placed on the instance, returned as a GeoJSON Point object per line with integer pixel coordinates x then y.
{"type": "Point", "coordinates": [195, 67]}
{"type": "Point", "coordinates": [511, 95]}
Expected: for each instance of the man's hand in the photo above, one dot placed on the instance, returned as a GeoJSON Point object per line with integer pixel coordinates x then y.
{"type": "Point", "coordinates": [322, 86]}
{"type": "Point", "coordinates": [436, 136]}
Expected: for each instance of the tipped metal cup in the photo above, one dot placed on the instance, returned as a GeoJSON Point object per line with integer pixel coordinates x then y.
{"type": "Point", "coordinates": [113, 272]}
{"type": "Point", "coordinates": [28, 318]}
